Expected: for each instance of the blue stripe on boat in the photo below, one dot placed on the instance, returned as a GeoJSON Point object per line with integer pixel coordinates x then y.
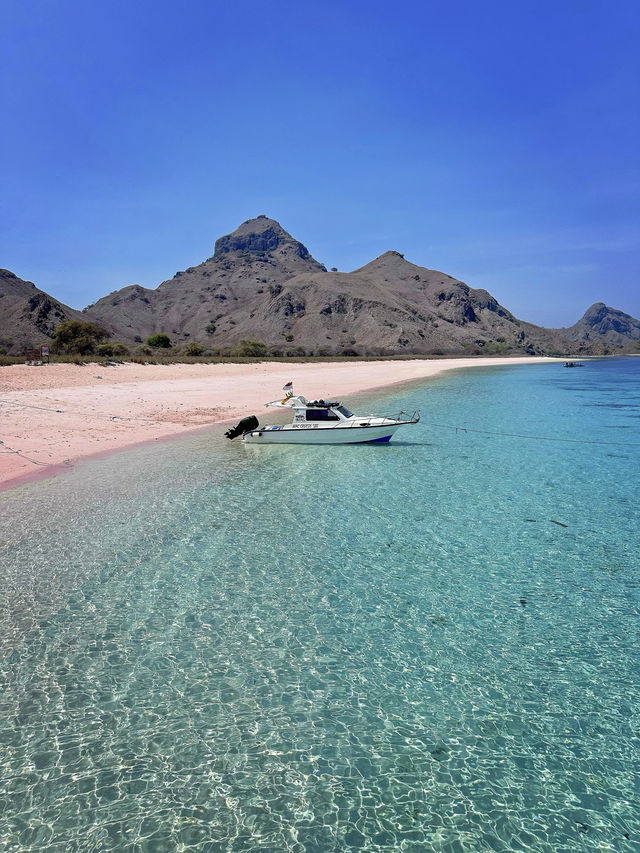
{"type": "Point", "coordinates": [378, 440]}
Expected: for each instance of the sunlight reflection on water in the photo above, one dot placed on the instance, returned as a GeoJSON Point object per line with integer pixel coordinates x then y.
{"type": "Point", "coordinates": [220, 647]}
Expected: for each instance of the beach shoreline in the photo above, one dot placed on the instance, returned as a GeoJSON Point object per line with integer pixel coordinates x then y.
{"type": "Point", "coordinates": [52, 416]}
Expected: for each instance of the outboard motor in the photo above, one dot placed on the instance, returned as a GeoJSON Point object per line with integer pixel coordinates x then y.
{"type": "Point", "coordinates": [245, 425]}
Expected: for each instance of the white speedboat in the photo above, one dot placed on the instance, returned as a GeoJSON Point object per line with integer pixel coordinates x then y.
{"type": "Point", "coordinates": [320, 422]}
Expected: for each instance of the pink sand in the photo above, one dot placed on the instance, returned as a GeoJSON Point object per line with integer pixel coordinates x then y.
{"type": "Point", "coordinates": [59, 413]}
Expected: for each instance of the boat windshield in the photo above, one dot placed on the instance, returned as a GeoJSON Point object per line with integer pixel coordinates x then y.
{"type": "Point", "coordinates": [321, 415]}
{"type": "Point", "coordinates": [344, 411]}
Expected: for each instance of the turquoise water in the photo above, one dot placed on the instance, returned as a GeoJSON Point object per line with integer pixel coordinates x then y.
{"type": "Point", "coordinates": [207, 646]}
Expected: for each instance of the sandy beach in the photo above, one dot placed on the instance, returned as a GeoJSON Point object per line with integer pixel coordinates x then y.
{"type": "Point", "coordinates": [54, 415]}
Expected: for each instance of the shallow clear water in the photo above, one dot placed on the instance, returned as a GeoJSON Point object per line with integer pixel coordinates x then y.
{"type": "Point", "coordinates": [207, 646]}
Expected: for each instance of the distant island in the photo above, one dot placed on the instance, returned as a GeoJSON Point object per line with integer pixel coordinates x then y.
{"type": "Point", "coordinates": [262, 293]}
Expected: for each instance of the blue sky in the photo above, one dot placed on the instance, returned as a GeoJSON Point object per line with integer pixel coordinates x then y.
{"type": "Point", "coordinates": [497, 141]}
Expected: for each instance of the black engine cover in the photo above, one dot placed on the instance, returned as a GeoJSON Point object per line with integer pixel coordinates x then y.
{"type": "Point", "coordinates": [245, 425]}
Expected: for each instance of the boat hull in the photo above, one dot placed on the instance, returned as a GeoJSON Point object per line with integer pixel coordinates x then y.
{"type": "Point", "coordinates": [335, 435]}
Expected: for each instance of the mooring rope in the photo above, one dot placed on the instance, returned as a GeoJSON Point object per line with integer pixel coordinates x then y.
{"type": "Point", "coordinates": [19, 453]}
{"type": "Point", "coordinates": [534, 437]}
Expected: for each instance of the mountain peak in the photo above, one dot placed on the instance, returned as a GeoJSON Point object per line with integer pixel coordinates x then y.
{"type": "Point", "coordinates": [391, 262]}
{"type": "Point", "coordinates": [258, 224]}
{"type": "Point", "coordinates": [390, 257]}
{"type": "Point", "coordinates": [260, 235]}
{"type": "Point", "coordinates": [597, 312]}
{"type": "Point", "coordinates": [610, 324]}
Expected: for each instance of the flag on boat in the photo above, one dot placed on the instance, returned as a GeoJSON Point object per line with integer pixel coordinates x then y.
{"type": "Point", "coordinates": [289, 389]}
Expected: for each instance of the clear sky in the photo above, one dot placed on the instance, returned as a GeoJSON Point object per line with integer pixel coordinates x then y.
{"type": "Point", "coordinates": [497, 140]}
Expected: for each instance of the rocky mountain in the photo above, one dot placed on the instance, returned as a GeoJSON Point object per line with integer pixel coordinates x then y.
{"type": "Point", "coordinates": [603, 325]}
{"type": "Point", "coordinates": [261, 284]}
{"type": "Point", "coordinates": [28, 315]}
{"type": "Point", "coordinates": [246, 270]}
{"type": "Point", "coordinates": [390, 306]}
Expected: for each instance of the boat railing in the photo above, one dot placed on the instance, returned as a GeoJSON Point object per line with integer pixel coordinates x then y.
{"type": "Point", "coordinates": [400, 418]}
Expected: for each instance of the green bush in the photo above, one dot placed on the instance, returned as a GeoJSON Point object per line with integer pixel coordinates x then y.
{"type": "Point", "coordinates": [193, 349]}
{"type": "Point", "coordinates": [496, 347]}
{"type": "Point", "coordinates": [253, 349]}
{"type": "Point", "coordinates": [210, 328]}
{"type": "Point", "coordinates": [159, 341]}
{"type": "Point", "coordinates": [77, 337]}
{"type": "Point", "coordinates": [112, 349]}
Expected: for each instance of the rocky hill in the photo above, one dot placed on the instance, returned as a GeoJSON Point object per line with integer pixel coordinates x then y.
{"type": "Point", "coordinates": [246, 269]}
{"type": "Point", "coordinates": [28, 315]}
{"type": "Point", "coordinates": [262, 284]}
{"type": "Point", "coordinates": [606, 326]}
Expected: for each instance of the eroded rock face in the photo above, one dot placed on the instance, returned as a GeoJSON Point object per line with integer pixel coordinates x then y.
{"type": "Point", "coordinates": [264, 242]}
{"type": "Point", "coordinates": [596, 314]}
{"type": "Point", "coordinates": [260, 236]}
{"type": "Point", "coordinates": [45, 313]}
